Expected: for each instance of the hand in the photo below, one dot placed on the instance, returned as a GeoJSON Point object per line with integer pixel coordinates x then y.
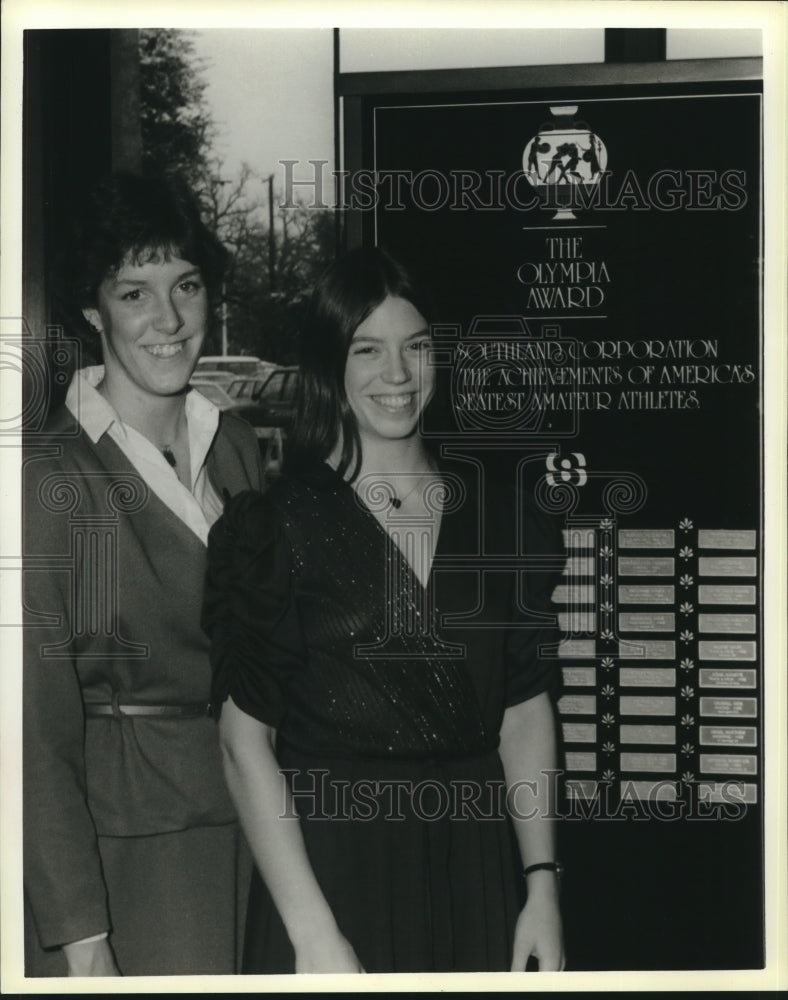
{"type": "Point", "coordinates": [90, 958]}
{"type": "Point", "coordinates": [538, 931]}
{"type": "Point", "coordinates": [327, 952]}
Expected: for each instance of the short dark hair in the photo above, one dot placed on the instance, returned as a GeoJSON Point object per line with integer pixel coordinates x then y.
{"type": "Point", "coordinates": [141, 218]}
{"type": "Point", "coordinates": [345, 295]}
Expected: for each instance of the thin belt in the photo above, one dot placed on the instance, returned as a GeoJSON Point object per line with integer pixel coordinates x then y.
{"type": "Point", "coordinates": [117, 708]}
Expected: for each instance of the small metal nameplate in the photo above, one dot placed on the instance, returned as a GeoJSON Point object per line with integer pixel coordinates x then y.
{"type": "Point", "coordinates": [645, 649]}
{"type": "Point", "coordinates": [577, 704]}
{"type": "Point", "coordinates": [579, 566]}
{"type": "Point", "coordinates": [721, 649]}
{"type": "Point", "coordinates": [647, 734]}
{"type": "Point", "coordinates": [726, 677]}
{"type": "Point", "coordinates": [648, 791]}
{"type": "Point", "coordinates": [726, 623]}
{"type": "Point", "coordinates": [579, 593]}
{"type": "Point", "coordinates": [579, 676]}
{"type": "Point", "coordinates": [644, 538]}
{"type": "Point", "coordinates": [644, 566]}
{"type": "Point", "coordinates": [576, 761]}
{"type": "Point", "coordinates": [579, 732]}
{"type": "Point", "coordinates": [727, 566]}
{"type": "Point", "coordinates": [639, 594]}
{"type": "Point", "coordinates": [710, 593]}
{"type": "Point", "coordinates": [647, 676]}
{"type": "Point", "coordinates": [742, 708]}
{"type": "Point", "coordinates": [710, 538]}
{"type": "Point", "coordinates": [728, 763]}
{"type": "Point", "coordinates": [571, 648]}
{"type": "Point", "coordinates": [577, 788]}
{"type": "Point", "coordinates": [576, 621]}
{"type": "Point", "coordinates": [633, 704]}
{"type": "Point", "coordinates": [729, 792]}
{"type": "Point", "coordinates": [729, 736]}
{"type": "Point", "coordinates": [664, 763]}
{"type": "Point", "coordinates": [646, 621]}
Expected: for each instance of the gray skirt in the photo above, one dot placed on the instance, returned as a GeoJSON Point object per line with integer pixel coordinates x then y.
{"type": "Point", "coordinates": [177, 903]}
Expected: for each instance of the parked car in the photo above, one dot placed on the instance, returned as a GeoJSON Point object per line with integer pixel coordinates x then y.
{"type": "Point", "coordinates": [214, 391]}
{"type": "Point", "coordinates": [269, 438]}
{"type": "Point", "coordinates": [245, 388]}
{"type": "Point", "coordinates": [276, 394]}
{"type": "Point", "coordinates": [223, 378]}
{"type": "Point", "coordinates": [235, 364]}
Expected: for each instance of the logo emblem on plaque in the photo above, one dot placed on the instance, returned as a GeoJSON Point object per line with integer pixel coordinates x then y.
{"type": "Point", "coordinates": [564, 162]}
{"type": "Point", "coordinates": [567, 470]}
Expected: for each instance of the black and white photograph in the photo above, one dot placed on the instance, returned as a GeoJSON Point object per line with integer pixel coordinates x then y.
{"type": "Point", "coordinates": [448, 653]}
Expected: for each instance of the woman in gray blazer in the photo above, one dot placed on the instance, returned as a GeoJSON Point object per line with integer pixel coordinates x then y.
{"type": "Point", "coordinates": [133, 860]}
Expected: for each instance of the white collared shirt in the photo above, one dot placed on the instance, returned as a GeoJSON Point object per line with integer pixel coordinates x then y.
{"type": "Point", "coordinates": [198, 507]}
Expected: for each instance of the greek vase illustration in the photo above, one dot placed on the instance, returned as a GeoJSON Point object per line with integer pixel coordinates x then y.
{"type": "Point", "coordinates": [564, 162]}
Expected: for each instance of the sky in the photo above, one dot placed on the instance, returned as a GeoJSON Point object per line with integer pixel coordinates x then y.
{"type": "Point", "coordinates": [270, 90]}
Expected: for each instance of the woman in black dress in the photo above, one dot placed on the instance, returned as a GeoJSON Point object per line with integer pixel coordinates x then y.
{"type": "Point", "coordinates": [379, 690]}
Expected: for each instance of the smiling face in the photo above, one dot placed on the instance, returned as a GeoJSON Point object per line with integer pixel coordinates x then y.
{"type": "Point", "coordinates": [388, 377]}
{"type": "Point", "coordinates": [152, 319]}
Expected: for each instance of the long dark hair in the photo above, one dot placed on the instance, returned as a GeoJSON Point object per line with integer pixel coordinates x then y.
{"type": "Point", "coordinates": [343, 298]}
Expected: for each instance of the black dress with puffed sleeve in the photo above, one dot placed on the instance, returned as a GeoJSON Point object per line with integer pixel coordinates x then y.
{"type": "Point", "coordinates": [387, 697]}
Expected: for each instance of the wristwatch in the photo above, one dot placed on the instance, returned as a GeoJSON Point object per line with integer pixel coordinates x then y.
{"type": "Point", "coordinates": [550, 866]}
